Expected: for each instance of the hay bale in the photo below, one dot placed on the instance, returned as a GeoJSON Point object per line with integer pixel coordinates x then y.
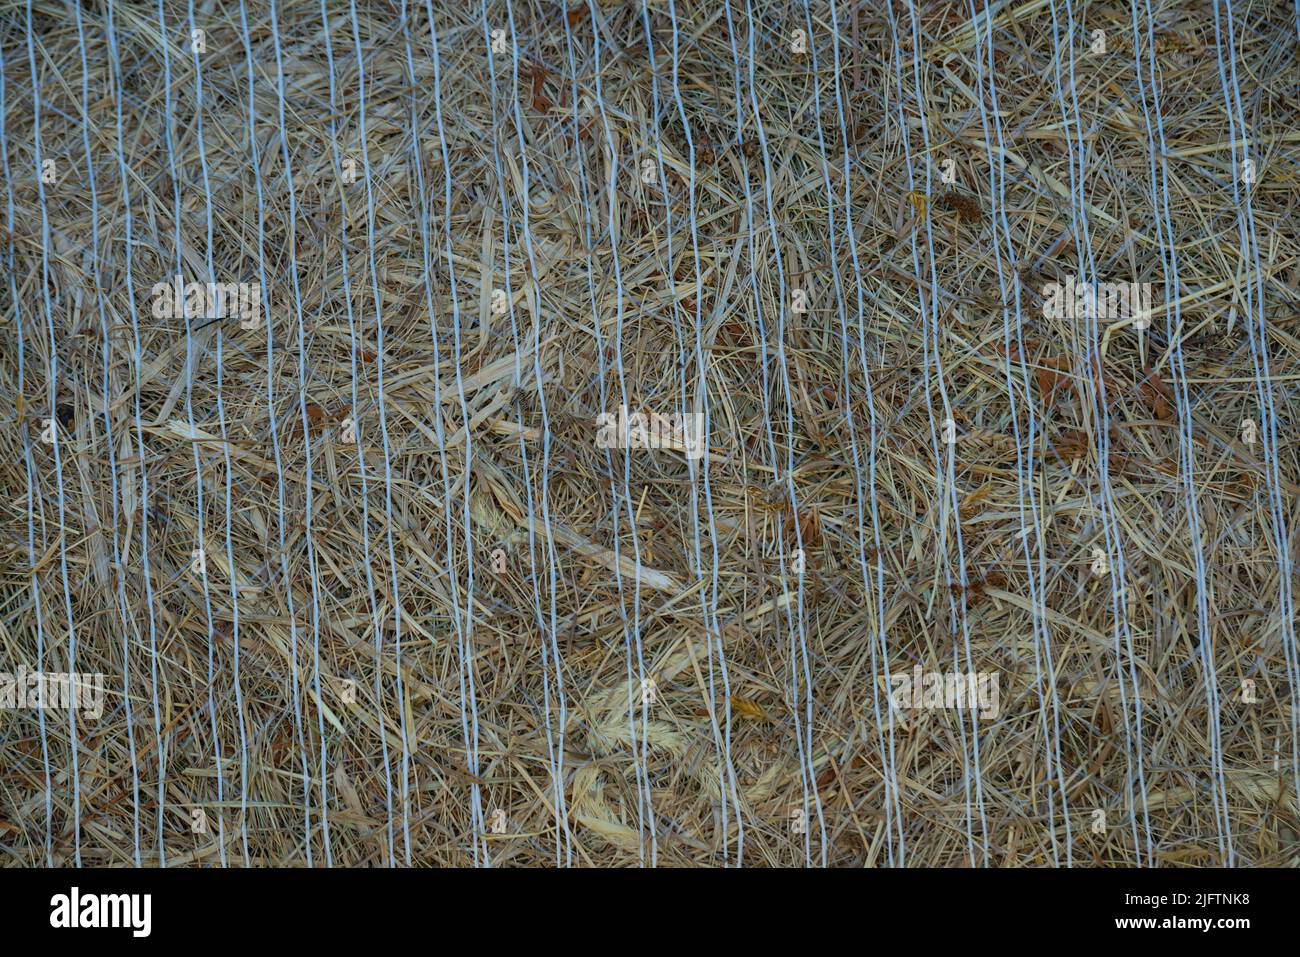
{"type": "Point", "coordinates": [310, 326]}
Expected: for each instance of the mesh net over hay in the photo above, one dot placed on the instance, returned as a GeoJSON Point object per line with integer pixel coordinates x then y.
{"type": "Point", "coordinates": [984, 555]}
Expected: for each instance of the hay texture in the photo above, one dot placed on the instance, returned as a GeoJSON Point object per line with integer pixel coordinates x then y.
{"type": "Point", "coordinates": [363, 585]}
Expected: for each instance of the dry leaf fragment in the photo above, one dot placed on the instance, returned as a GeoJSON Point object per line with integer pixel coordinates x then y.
{"type": "Point", "coordinates": [966, 207]}
{"type": "Point", "coordinates": [747, 708]}
{"type": "Point", "coordinates": [1157, 394]}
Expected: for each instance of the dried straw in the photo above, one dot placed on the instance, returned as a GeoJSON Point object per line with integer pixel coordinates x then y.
{"type": "Point", "coordinates": [364, 589]}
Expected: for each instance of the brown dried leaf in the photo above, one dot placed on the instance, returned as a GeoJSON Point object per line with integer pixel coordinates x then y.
{"type": "Point", "coordinates": [966, 207]}
{"type": "Point", "coordinates": [810, 528]}
{"type": "Point", "coordinates": [1157, 395]}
